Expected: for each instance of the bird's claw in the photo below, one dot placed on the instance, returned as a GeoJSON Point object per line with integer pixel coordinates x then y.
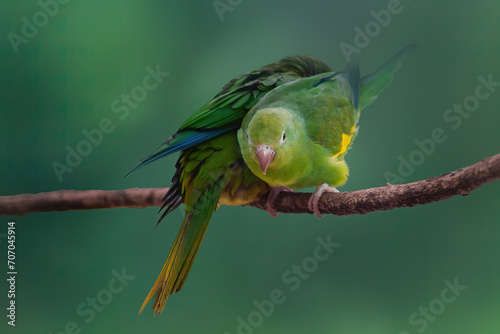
{"type": "Point", "coordinates": [315, 197]}
{"type": "Point", "coordinates": [271, 199]}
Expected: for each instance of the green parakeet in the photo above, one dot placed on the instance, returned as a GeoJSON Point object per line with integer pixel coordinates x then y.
{"type": "Point", "coordinates": [298, 134]}
{"type": "Point", "coordinates": [287, 125]}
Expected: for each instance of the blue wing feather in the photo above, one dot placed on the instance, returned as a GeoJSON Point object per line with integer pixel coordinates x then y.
{"type": "Point", "coordinates": [183, 141]}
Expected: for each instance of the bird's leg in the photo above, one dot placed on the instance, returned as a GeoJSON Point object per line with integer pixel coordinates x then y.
{"type": "Point", "coordinates": [271, 199]}
{"type": "Point", "coordinates": [313, 201]}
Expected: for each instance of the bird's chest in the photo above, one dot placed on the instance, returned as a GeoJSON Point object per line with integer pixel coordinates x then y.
{"type": "Point", "coordinates": [243, 188]}
{"type": "Point", "coordinates": [293, 174]}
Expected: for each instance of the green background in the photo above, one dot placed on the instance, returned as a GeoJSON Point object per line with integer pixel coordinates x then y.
{"type": "Point", "coordinates": [389, 264]}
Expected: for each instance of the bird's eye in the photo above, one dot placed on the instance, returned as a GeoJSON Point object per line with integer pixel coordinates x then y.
{"type": "Point", "coordinates": [248, 137]}
{"type": "Point", "coordinates": [283, 136]}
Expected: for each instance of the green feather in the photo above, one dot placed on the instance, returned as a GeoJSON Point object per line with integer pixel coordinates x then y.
{"type": "Point", "coordinates": [186, 245]}
{"type": "Point", "coordinates": [372, 85]}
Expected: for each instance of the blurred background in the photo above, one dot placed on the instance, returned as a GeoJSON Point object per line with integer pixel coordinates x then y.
{"type": "Point", "coordinates": [64, 71]}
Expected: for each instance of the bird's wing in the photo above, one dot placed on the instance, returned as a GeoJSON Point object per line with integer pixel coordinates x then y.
{"type": "Point", "coordinates": [228, 108]}
{"type": "Point", "coordinates": [331, 119]}
{"type": "Point", "coordinates": [331, 106]}
{"type": "Point", "coordinates": [372, 85]}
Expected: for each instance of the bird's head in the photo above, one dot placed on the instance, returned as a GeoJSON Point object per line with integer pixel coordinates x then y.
{"type": "Point", "coordinates": [269, 139]}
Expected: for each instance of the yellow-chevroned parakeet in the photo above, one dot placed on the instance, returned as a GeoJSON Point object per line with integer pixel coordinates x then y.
{"type": "Point", "coordinates": [294, 107]}
{"type": "Point", "coordinates": [297, 135]}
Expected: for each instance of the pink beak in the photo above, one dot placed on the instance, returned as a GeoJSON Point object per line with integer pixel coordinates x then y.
{"type": "Point", "coordinates": [266, 156]}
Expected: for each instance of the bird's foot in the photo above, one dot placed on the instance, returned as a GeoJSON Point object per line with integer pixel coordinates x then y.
{"type": "Point", "coordinates": [271, 199]}
{"type": "Point", "coordinates": [313, 201]}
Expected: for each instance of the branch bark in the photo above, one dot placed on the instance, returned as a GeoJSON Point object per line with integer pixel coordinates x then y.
{"type": "Point", "coordinates": [460, 182]}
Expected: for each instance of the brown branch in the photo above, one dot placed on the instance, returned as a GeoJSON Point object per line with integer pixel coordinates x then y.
{"type": "Point", "coordinates": [64, 200]}
{"type": "Point", "coordinates": [460, 182]}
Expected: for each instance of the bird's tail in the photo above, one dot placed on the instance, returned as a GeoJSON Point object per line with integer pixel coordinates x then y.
{"type": "Point", "coordinates": [372, 85]}
{"type": "Point", "coordinates": [185, 247]}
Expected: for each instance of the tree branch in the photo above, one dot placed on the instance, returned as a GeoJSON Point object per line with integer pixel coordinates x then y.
{"type": "Point", "coordinates": [460, 182]}
{"type": "Point", "coordinates": [64, 200]}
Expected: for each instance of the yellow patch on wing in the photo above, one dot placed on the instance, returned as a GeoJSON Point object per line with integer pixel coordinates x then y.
{"type": "Point", "coordinates": [346, 140]}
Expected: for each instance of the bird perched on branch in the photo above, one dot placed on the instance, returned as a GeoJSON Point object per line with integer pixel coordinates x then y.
{"type": "Point", "coordinates": [285, 126]}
